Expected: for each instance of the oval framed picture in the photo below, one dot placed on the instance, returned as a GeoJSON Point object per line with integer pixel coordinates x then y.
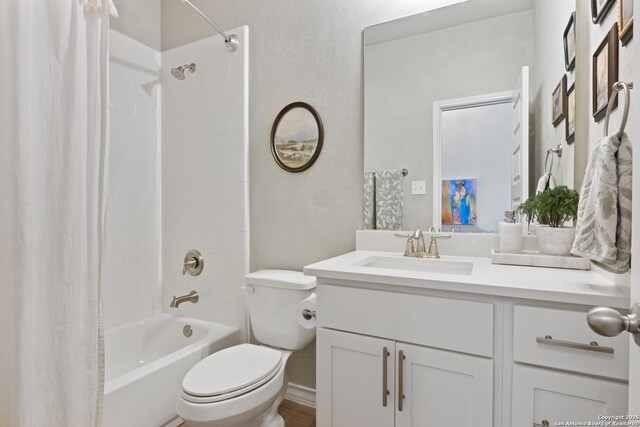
{"type": "Point", "coordinates": [296, 137]}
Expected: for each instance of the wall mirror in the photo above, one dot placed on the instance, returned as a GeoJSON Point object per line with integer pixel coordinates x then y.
{"type": "Point", "coordinates": [461, 97]}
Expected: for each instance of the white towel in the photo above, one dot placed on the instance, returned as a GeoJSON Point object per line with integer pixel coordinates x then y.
{"type": "Point", "coordinates": [545, 181]}
{"type": "Point", "coordinates": [603, 229]}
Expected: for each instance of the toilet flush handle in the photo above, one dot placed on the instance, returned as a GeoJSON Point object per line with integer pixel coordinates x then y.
{"type": "Point", "coordinates": [249, 289]}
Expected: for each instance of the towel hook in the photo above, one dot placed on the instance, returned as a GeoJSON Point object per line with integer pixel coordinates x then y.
{"type": "Point", "coordinates": [617, 87]}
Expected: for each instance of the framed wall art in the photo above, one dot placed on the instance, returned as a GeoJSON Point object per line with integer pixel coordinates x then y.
{"type": "Point", "coordinates": [459, 201]}
{"type": "Point", "coordinates": [625, 21]}
{"type": "Point", "coordinates": [569, 40]}
{"type": "Point", "coordinates": [558, 105]}
{"type": "Point", "coordinates": [570, 122]}
{"type": "Point", "coordinates": [604, 73]}
{"type": "Point", "coordinates": [296, 137]}
{"type": "Point", "coordinates": [600, 9]}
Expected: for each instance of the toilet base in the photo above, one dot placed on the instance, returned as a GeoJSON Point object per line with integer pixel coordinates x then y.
{"type": "Point", "coordinates": [270, 418]}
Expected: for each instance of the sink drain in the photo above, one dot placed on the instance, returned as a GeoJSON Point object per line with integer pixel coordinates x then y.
{"type": "Point", "coordinates": [187, 331]}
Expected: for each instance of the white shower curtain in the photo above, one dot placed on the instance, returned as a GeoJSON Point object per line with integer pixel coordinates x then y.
{"type": "Point", "coordinates": [53, 142]}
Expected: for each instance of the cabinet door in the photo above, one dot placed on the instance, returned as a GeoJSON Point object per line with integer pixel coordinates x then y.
{"type": "Point", "coordinates": [442, 388]}
{"type": "Point", "coordinates": [540, 395]}
{"type": "Point", "coordinates": [350, 380]}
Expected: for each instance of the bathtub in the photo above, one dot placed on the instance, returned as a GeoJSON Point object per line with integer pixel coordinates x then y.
{"type": "Point", "coordinates": [145, 362]}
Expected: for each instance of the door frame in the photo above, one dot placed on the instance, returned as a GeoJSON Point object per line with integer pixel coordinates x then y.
{"type": "Point", "coordinates": [634, 286]}
{"type": "Point", "coordinates": [440, 107]}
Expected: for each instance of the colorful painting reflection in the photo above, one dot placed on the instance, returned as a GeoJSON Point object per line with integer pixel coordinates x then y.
{"type": "Point", "coordinates": [459, 201]}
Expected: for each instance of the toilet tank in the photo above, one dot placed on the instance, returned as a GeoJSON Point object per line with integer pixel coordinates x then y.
{"type": "Point", "coordinates": [273, 297]}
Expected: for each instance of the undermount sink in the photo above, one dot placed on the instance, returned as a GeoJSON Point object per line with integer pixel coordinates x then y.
{"type": "Point", "coordinates": [426, 265]}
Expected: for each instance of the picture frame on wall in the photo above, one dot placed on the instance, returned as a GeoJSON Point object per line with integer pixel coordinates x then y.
{"type": "Point", "coordinates": [570, 122]}
{"type": "Point", "coordinates": [297, 137]}
{"type": "Point", "coordinates": [569, 41]}
{"type": "Point", "coordinates": [625, 21]}
{"type": "Point", "coordinates": [604, 73]}
{"type": "Point", "coordinates": [558, 104]}
{"type": "Point", "coordinates": [600, 9]}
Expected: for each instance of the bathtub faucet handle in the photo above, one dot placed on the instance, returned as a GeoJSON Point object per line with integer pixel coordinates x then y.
{"type": "Point", "coordinates": [193, 263]}
{"type": "Point", "coordinates": [189, 264]}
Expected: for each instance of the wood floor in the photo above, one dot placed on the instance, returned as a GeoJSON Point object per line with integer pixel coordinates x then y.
{"type": "Point", "coordinates": [297, 415]}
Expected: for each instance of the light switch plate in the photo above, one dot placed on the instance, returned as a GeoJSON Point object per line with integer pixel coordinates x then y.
{"type": "Point", "coordinates": [418, 187]}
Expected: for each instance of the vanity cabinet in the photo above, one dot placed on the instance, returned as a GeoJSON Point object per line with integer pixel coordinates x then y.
{"type": "Point", "coordinates": [442, 388]}
{"type": "Point", "coordinates": [562, 370]}
{"type": "Point", "coordinates": [437, 367]}
{"type": "Point", "coordinates": [352, 372]}
{"type": "Point", "coordinates": [460, 359]}
{"type": "Point", "coordinates": [542, 397]}
{"type": "Point", "coordinates": [366, 381]}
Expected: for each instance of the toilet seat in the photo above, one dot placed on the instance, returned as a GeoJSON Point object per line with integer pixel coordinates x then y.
{"type": "Point", "coordinates": [230, 373]}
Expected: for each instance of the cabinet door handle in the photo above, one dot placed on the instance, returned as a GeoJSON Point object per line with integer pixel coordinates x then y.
{"type": "Point", "coordinates": [545, 423]}
{"type": "Point", "coordinates": [593, 346]}
{"type": "Point", "coordinates": [401, 358]}
{"type": "Point", "coordinates": [385, 390]}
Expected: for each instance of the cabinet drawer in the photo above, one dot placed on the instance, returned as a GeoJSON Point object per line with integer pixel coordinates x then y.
{"type": "Point", "coordinates": [451, 324]}
{"type": "Point", "coordinates": [541, 397]}
{"type": "Point", "coordinates": [562, 339]}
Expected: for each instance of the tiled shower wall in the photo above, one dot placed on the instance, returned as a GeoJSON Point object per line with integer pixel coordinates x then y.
{"type": "Point", "coordinates": [204, 178]}
{"type": "Point", "coordinates": [131, 266]}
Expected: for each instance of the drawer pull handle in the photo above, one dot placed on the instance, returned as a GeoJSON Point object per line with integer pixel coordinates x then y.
{"type": "Point", "coordinates": [545, 423]}
{"type": "Point", "coordinates": [401, 358]}
{"type": "Point", "coordinates": [593, 346]}
{"type": "Point", "coordinates": [385, 391]}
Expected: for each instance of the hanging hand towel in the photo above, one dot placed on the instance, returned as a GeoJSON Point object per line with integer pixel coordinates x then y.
{"type": "Point", "coordinates": [388, 194]}
{"type": "Point", "coordinates": [383, 200]}
{"type": "Point", "coordinates": [546, 181]}
{"type": "Point", "coordinates": [603, 229]}
{"type": "Point", "coordinates": [369, 209]}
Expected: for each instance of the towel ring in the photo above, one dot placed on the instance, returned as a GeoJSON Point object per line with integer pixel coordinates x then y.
{"type": "Point", "coordinates": [546, 160]}
{"type": "Point", "coordinates": [558, 151]}
{"type": "Point", "coordinates": [617, 87]}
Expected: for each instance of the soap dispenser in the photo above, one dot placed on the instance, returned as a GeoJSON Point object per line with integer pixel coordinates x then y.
{"type": "Point", "coordinates": [510, 234]}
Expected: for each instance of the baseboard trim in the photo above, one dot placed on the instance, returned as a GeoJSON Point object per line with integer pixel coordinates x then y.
{"type": "Point", "coordinates": [301, 394]}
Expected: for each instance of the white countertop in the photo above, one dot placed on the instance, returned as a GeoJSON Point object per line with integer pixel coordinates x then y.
{"type": "Point", "coordinates": [547, 284]}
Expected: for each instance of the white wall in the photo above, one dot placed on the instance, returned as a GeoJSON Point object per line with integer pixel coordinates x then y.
{"type": "Point", "coordinates": [131, 275]}
{"type": "Point", "coordinates": [550, 20]}
{"type": "Point", "coordinates": [476, 144]}
{"type": "Point", "coordinates": [205, 180]}
{"type": "Point", "coordinates": [404, 77]}
{"type": "Point", "coordinates": [300, 50]}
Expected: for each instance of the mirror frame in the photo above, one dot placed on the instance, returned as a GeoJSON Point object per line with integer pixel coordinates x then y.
{"type": "Point", "coordinates": [274, 128]}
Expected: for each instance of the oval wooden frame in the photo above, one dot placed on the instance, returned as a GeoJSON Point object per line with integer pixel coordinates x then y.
{"type": "Point", "coordinates": [316, 154]}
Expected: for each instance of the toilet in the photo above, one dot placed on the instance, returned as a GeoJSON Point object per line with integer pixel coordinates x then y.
{"type": "Point", "coordinates": [243, 385]}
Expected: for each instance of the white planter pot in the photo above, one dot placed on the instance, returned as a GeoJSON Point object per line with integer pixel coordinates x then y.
{"type": "Point", "coordinates": [555, 241]}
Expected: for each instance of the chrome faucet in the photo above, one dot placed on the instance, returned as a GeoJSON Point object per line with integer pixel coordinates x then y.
{"type": "Point", "coordinates": [418, 250]}
{"type": "Point", "coordinates": [191, 297]}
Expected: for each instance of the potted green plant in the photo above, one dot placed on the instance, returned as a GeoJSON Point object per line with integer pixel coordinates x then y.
{"type": "Point", "coordinates": [552, 209]}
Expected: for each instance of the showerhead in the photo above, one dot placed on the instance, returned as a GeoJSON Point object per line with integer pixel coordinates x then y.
{"type": "Point", "coordinates": [179, 72]}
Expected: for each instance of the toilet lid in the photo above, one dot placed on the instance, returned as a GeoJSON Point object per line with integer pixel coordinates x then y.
{"type": "Point", "coordinates": [232, 369]}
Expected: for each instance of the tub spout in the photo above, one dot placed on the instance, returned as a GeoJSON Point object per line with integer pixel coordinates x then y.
{"type": "Point", "coordinates": [192, 297]}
